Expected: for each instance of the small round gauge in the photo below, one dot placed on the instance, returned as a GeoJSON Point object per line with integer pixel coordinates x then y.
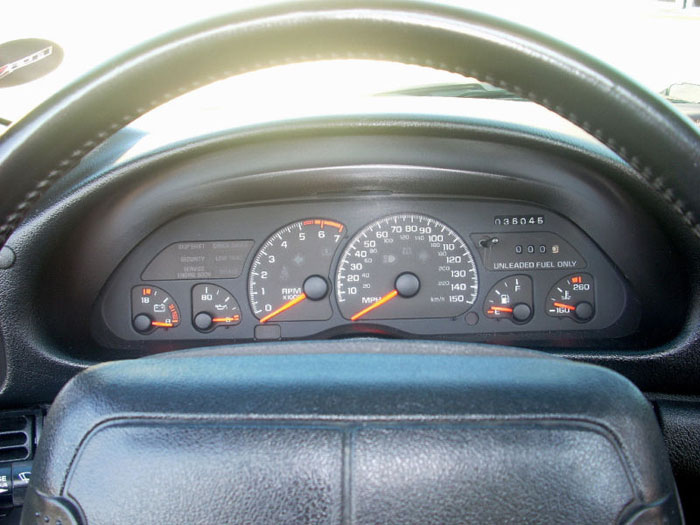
{"type": "Point", "coordinates": [289, 277]}
{"type": "Point", "coordinates": [572, 297]}
{"type": "Point", "coordinates": [510, 298]}
{"type": "Point", "coordinates": [406, 266]}
{"type": "Point", "coordinates": [152, 308]}
{"type": "Point", "coordinates": [213, 306]}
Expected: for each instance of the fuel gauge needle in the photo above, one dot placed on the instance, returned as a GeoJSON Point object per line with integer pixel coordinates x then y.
{"type": "Point", "coordinates": [286, 306]}
{"type": "Point", "coordinates": [388, 297]}
{"type": "Point", "coordinates": [501, 309]}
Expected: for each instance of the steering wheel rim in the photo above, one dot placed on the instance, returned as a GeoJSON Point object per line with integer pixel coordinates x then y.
{"type": "Point", "coordinates": [661, 144]}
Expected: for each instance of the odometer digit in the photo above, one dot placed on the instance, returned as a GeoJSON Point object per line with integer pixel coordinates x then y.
{"type": "Point", "coordinates": [406, 266]}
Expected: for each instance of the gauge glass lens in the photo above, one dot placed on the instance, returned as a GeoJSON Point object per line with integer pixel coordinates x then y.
{"type": "Point", "coordinates": [290, 275]}
{"type": "Point", "coordinates": [406, 266]}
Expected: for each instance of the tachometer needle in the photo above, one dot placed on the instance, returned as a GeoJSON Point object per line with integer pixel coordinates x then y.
{"type": "Point", "coordinates": [388, 297]}
{"type": "Point", "coordinates": [286, 306]}
{"type": "Point", "coordinates": [565, 306]}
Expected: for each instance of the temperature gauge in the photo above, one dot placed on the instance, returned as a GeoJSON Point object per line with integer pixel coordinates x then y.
{"type": "Point", "coordinates": [152, 308]}
{"type": "Point", "coordinates": [510, 298]}
{"type": "Point", "coordinates": [572, 297]}
{"type": "Point", "coordinates": [213, 306]}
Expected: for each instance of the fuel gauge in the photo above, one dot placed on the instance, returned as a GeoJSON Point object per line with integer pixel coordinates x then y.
{"type": "Point", "coordinates": [572, 297]}
{"type": "Point", "coordinates": [152, 308]}
{"type": "Point", "coordinates": [510, 298]}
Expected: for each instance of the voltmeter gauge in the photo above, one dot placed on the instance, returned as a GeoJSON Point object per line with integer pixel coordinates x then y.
{"type": "Point", "coordinates": [572, 297]}
{"type": "Point", "coordinates": [510, 298]}
{"type": "Point", "coordinates": [213, 306]}
{"type": "Point", "coordinates": [152, 308]}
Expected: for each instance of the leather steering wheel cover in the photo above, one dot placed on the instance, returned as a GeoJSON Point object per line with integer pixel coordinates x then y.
{"type": "Point", "coordinates": [662, 145]}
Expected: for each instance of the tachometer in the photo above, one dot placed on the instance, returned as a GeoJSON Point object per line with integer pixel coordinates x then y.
{"type": "Point", "coordinates": [289, 277]}
{"type": "Point", "coordinates": [406, 266]}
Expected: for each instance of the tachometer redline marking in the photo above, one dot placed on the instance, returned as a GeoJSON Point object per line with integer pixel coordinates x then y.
{"type": "Point", "coordinates": [284, 307]}
{"type": "Point", "coordinates": [388, 297]}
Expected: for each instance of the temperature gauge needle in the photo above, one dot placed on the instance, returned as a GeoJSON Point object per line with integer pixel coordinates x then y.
{"type": "Point", "coordinates": [388, 297]}
{"type": "Point", "coordinates": [565, 306]}
{"type": "Point", "coordinates": [286, 306]}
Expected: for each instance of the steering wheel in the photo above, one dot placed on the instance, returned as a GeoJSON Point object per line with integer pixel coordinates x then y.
{"type": "Point", "coordinates": [640, 127]}
{"type": "Point", "coordinates": [662, 146]}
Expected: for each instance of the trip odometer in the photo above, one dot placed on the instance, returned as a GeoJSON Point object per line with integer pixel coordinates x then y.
{"type": "Point", "coordinates": [406, 266]}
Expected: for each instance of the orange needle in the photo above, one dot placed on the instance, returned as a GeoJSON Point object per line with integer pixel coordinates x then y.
{"type": "Point", "coordinates": [226, 319]}
{"type": "Point", "coordinates": [388, 297]}
{"type": "Point", "coordinates": [158, 323]}
{"type": "Point", "coordinates": [566, 306]}
{"type": "Point", "coordinates": [500, 309]}
{"type": "Point", "coordinates": [284, 307]}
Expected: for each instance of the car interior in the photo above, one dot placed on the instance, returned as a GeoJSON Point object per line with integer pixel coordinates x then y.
{"type": "Point", "coordinates": [386, 317]}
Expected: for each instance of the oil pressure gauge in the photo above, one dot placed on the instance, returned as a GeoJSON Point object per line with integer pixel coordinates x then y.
{"type": "Point", "coordinates": [213, 306]}
{"type": "Point", "coordinates": [572, 297]}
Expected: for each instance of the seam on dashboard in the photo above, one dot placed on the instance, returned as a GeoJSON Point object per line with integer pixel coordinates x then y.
{"type": "Point", "coordinates": [655, 182]}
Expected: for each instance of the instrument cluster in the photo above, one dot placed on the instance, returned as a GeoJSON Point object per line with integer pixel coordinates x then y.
{"type": "Point", "coordinates": [393, 266]}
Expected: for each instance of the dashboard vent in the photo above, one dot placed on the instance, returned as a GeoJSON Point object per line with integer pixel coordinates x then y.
{"type": "Point", "coordinates": [17, 431]}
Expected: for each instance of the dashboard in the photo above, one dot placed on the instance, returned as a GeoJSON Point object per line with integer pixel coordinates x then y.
{"type": "Point", "coordinates": [392, 266]}
{"type": "Point", "coordinates": [302, 232]}
{"type": "Point", "coordinates": [380, 225]}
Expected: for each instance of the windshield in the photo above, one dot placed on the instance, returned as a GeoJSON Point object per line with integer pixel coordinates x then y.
{"type": "Point", "coordinates": [654, 42]}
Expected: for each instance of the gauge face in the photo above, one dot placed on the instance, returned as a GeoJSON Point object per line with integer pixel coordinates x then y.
{"type": "Point", "coordinates": [406, 266]}
{"type": "Point", "coordinates": [152, 308]}
{"type": "Point", "coordinates": [572, 297]}
{"type": "Point", "coordinates": [289, 277]}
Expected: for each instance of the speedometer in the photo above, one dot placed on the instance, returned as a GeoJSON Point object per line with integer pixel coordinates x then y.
{"type": "Point", "coordinates": [406, 266]}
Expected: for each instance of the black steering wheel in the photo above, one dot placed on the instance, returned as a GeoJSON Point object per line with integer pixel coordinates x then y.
{"type": "Point", "coordinates": [112, 402]}
{"type": "Point", "coordinates": [657, 141]}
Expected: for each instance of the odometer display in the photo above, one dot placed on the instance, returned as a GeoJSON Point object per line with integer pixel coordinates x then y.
{"type": "Point", "coordinates": [406, 266]}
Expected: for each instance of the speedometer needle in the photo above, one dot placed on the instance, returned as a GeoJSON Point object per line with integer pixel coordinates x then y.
{"type": "Point", "coordinates": [286, 306]}
{"type": "Point", "coordinates": [388, 297]}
